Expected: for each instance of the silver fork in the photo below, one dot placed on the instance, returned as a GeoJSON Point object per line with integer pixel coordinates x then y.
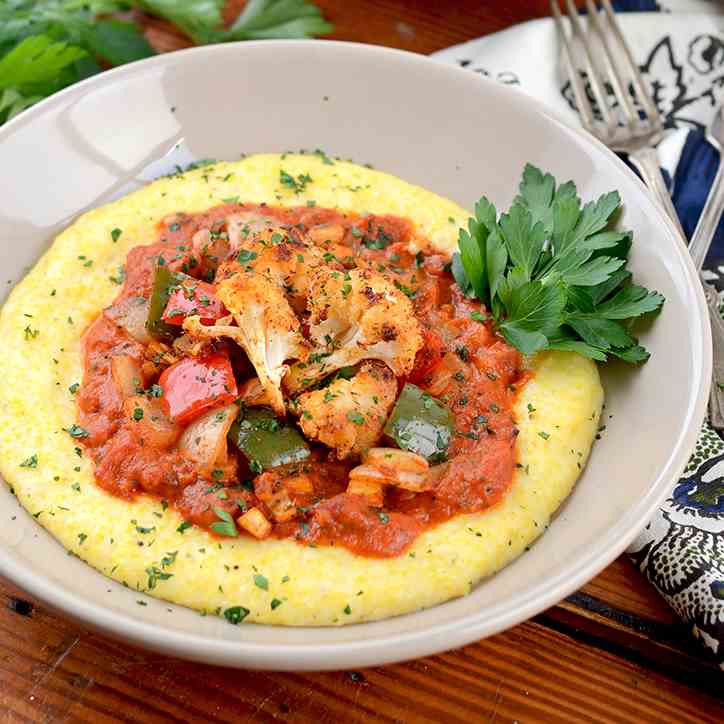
{"type": "Point", "coordinates": [640, 131]}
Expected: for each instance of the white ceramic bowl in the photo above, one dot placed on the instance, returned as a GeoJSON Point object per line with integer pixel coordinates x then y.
{"type": "Point", "coordinates": [434, 125]}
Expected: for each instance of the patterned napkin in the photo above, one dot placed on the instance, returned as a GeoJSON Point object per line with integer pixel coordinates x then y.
{"type": "Point", "coordinates": [680, 48]}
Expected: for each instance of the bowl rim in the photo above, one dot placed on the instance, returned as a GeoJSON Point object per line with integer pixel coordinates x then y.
{"type": "Point", "coordinates": [433, 638]}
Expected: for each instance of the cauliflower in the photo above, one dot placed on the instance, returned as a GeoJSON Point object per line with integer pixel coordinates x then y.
{"type": "Point", "coordinates": [356, 315]}
{"type": "Point", "coordinates": [281, 254]}
{"type": "Point", "coordinates": [262, 286]}
{"type": "Point", "coordinates": [266, 329]}
{"type": "Point", "coordinates": [349, 415]}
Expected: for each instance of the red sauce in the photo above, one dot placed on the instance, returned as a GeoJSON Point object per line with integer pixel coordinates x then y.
{"type": "Point", "coordinates": [462, 363]}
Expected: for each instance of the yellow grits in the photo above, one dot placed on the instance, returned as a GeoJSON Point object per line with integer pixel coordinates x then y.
{"type": "Point", "coordinates": [40, 357]}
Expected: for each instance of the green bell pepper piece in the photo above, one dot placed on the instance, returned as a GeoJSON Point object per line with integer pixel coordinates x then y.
{"type": "Point", "coordinates": [164, 283]}
{"type": "Point", "coordinates": [265, 440]}
{"type": "Point", "coordinates": [421, 424]}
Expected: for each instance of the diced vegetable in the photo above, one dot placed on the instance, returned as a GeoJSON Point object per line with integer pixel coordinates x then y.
{"type": "Point", "coordinates": [254, 522]}
{"type": "Point", "coordinates": [189, 299]}
{"type": "Point", "coordinates": [131, 314]}
{"type": "Point", "coordinates": [193, 385]}
{"type": "Point", "coordinates": [421, 424]}
{"type": "Point", "coordinates": [370, 489]}
{"type": "Point", "coordinates": [126, 372]}
{"type": "Point", "coordinates": [266, 441]}
{"type": "Point", "coordinates": [150, 421]}
{"type": "Point", "coordinates": [204, 440]}
{"type": "Point", "coordinates": [165, 283]}
{"type": "Point", "coordinates": [428, 356]}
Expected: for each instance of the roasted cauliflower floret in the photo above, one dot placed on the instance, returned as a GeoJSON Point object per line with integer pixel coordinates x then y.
{"type": "Point", "coordinates": [266, 329]}
{"type": "Point", "coordinates": [279, 253]}
{"type": "Point", "coordinates": [349, 415]}
{"type": "Point", "coordinates": [354, 316]}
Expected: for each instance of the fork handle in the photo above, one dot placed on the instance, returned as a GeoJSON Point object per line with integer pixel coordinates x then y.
{"type": "Point", "coordinates": [709, 220]}
{"type": "Point", "coordinates": [647, 162]}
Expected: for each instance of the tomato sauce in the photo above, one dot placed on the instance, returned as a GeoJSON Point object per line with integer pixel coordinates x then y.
{"type": "Point", "coordinates": [463, 363]}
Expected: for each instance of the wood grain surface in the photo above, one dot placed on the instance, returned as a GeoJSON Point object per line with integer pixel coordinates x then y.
{"type": "Point", "coordinates": [612, 652]}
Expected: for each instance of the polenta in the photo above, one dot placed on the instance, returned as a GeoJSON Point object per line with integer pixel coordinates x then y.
{"type": "Point", "coordinates": [254, 389]}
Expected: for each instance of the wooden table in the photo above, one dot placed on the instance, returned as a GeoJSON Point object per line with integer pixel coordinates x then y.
{"type": "Point", "coordinates": [613, 651]}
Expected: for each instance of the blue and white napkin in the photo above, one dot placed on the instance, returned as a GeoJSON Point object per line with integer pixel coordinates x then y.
{"type": "Point", "coordinates": [679, 45]}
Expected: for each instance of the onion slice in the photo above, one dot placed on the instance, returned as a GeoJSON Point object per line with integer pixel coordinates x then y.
{"type": "Point", "coordinates": [131, 314]}
{"type": "Point", "coordinates": [204, 440]}
{"type": "Point", "coordinates": [127, 375]}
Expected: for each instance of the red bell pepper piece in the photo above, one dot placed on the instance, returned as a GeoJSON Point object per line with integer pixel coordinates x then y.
{"type": "Point", "coordinates": [195, 298]}
{"type": "Point", "coordinates": [428, 356]}
{"type": "Point", "coordinates": [192, 386]}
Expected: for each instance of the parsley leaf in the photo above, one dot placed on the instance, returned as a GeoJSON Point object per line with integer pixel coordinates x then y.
{"type": "Point", "coordinates": [226, 526]}
{"type": "Point", "coordinates": [263, 19]}
{"type": "Point", "coordinates": [551, 271]}
{"type": "Point", "coordinates": [46, 45]}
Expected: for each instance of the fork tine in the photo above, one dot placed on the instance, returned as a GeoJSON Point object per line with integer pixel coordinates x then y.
{"type": "Point", "coordinates": [579, 90]}
{"type": "Point", "coordinates": [642, 91]}
{"type": "Point", "coordinates": [619, 85]}
{"type": "Point", "coordinates": [593, 74]}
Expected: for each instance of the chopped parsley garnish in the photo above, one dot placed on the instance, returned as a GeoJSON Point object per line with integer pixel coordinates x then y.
{"type": "Point", "coordinates": [297, 184]}
{"type": "Point", "coordinates": [168, 559]}
{"type": "Point", "coordinates": [411, 293]}
{"type": "Point", "coordinates": [138, 414]}
{"type": "Point", "coordinates": [275, 603]}
{"type": "Point", "coordinates": [347, 609]}
{"type": "Point", "coordinates": [81, 538]}
{"type": "Point", "coordinates": [183, 526]}
{"type": "Point", "coordinates": [154, 575]}
{"type": "Point", "coordinates": [544, 435]}
{"type": "Point", "coordinates": [226, 525]}
{"type": "Point", "coordinates": [384, 518]}
{"type": "Point", "coordinates": [245, 255]}
{"type": "Point", "coordinates": [553, 273]}
{"type": "Point", "coordinates": [355, 417]}
{"type": "Point", "coordinates": [120, 276]}
{"type": "Point", "coordinates": [30, 333]}
{"type": "Point", "coordinates": [463, 352]}
{"type": "Point", "coordinates": [116, 234]}
{"type": "Point", "coordinates": [155, 391]}
{"type": "Point", "coordinates": [236, 614]}
{"type": "Point", "coordinates": [76, 431]}
{"type": "Point", "coordinates": [31, 462]}
{"type": "Point", "coordinates": [231, 200]}
{"type": "Point", "coordinates": [261, 582]}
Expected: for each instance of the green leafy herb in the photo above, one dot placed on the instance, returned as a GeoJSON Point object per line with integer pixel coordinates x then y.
{"type": "Point", "coordinates": [116, 234]}
{"type": "Point", "coordinates": [245, 255]}
{"type": "Point", "coordinates": [551, 271]}
{"type": "Point", "coordinates": [76, 431]}
{"type": "Point", "coordinates": [156, 574]}
{"type": "Point", "coordinates": [31, 462]}
{"type": "Point", "coordinates": [261, 582]}
{"type": "Point", "coordinates": [297, 184]}
{"type": "Point", "coordinates": [236, 614]}
{"type": "Point", "coordinates": [275, 603]}
{"type": "Point", "coordinates": [226, 525]}
{"type": "Point", "coordinates": [120, 276]}
{"type": "Point", "coordinates": [355, 417]}
{"type": "Point", "coordinates": [46, 45]}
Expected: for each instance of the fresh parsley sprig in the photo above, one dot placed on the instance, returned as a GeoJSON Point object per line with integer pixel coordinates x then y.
{"type": "Point", "coordinates": [46, 45]}
{"type": "Point", "coordinates": [552, 272]}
